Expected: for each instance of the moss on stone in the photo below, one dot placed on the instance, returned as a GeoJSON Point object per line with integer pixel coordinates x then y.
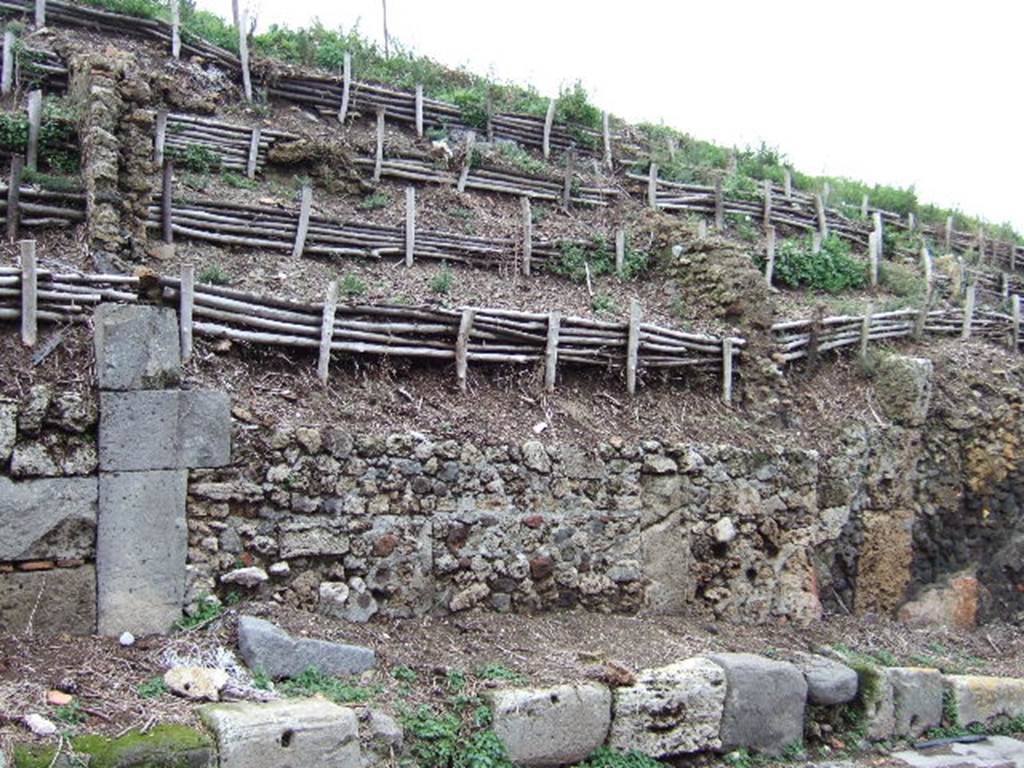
{"type": "Point", "coordinates": [165, 746]}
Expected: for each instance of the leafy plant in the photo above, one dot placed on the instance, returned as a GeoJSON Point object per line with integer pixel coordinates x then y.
{"type": "Point", "coordinates": [442, 282]}
{"type": "Point", "coordinates": [606, 757]}
{"type": "Point", "coordinates": [446, 740]}
{"type": "Point", "coordinates": [261, 680]}
{"type": "Point", "coordinates": [208, 610]}
{"type": "Point", "coordinates": [70, 713]}
{"type": "Point", "coordinates": [405, 674]}
{"type": "Point", "coordinates": [196, 158]}
{"type": "Point", "coordinates": [520, 158]}
{"type": "Point", "coordinates": [152, 688]}
{"type": "Point", "coordinates": [499, 672]}
{"type": "Point", "coordinates": [214, 274]}
{"type": "Point", "coordinates": [237, 180]}
{"type": "Point", "coordinates": [901, 280]}
{"type": "Point", "coordinates": [352, 285]}
{"type": "Point", "coordinates": [603, 304]}
{"type": "Point", "coordinates": [313, 681]}
{"type": "Point", "coordinates": [832, 269]}
{"type": "Point", "coordinates": [375, 201]}
{"type": "Point", "coordinates": [455, 679]}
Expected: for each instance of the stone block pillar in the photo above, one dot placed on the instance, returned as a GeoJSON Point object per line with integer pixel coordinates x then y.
{"type": "Point", "coordinates": [150, 434]}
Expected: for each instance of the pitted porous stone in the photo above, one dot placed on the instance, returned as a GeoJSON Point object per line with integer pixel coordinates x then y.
{"type": "Point", "coordinates": [552, 726]}
{"type": "Point", "coordinates": [981, 699]}
{"type": "Point", "coordinates": [829, 682]}
{"type": "Point", "coordinates": [903, 389]}
{"type": "Point", "coordinates": [137, 347]}
{"type": "Point", "coordinates": [917, 699]}
{"type": "Point", "coordinates": [673, 710]}
{"type": "Point", "coordinates": [284, 734]}
{"type": "Point", "coordinates": [267, 647]}
{"type": "Point", "coordinates": [8, 430]}
{"type": "Point", "coordinates": [141, 545]}
{"type": "Point", "coordinates": [49, 602]}
{"type": "Point", "coordinates": [164, 430]}
{"type": "Point", "coordinates": [48, 519]}
{"type": "Point", "coordinates": [764, 703]}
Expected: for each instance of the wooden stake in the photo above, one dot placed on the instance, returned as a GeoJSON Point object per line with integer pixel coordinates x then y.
{"type": "Point", "coordinates": [14, 197]}
{"type": "Point", "coordinates": [166, 201]}
{"type": "Point", "coordinates": [864, 207]}
{"type": "Point", "coordinates": [769, 265]}
{"type": "Point", "coordinates": [1005, 286]}
{"type": "Point", "coordinates": [567, 180]}
{"type": "Point", "coordinates": [1015, 327]}
{"type": "Point", "coordinates": [378, 157]}
{"type": "Point", "coordinates": [186, 298]}
{"type": "Point", "coordinates": [826, 192]}
{"type": "Point", "coordinates": [922, 317]}
{"type": "Point", "coordinates": [910, 222]}
{"type": "Point", "coordinates": [815, 242]}
{"type": "Point", "coordinates": [462, 347]}
{"type": "Point", "coordinates": [727, 370]}
{"type": "Point", "coordinates": [551, 350]}
{"type": "Point", "coordinates": [819, 207]}
{"type": "Point", "coordinates": [35, 120]}
{"type": "Point", "coordinates": [606, 130]}
{"type": "Point", "coordinates": [702, 228]}
{"type": "Point", "coordinates": [1013, 256]}
{"type": "Point", "coordinates": [527, 234]}
{"type": "Point", "coordinates": [949, 234]}
{"type": "Point", "coordinates": [410, 225]}
{"type": "Point", "coordinates": [29, 295]}
{"type": "Point", "coordinates": [346, 87]}
{"type": "Point", "coordinates": [467, 161]}
{"type": "Point", "coordinates": [767, 204]}
{"type": "Point", "coordinates": [419, 111]}
{"type": "Point", "coordinates": [40, 14]}
{"type": "Point", "coordinates": [787, 183]}
{"type": "Point", "coordinates": [254, 153]}
{"type": "Point", "coordinates": [873, 258]}
{"type": "Point", "coordinates": [549, 118]}
{"type": "Point", "coordinates": [652, 186]}
{"type": "Point", "coordinates": [305, 207]}
{"type": "Point", "coordinates": [865, 333]}
{"type": "Point", "coordinates": [965, 333]}
{"type": "Point", "coordinates": [7, 74]}
{"type": "Point", "coordinates": [926, 266]}
{"type": "Point", "coordinates": [243, 53]}
{"type": "Point", "coordinates": [633, 345]}
{"type": "Point", "coordinates": [620, 250]}
{"type": "Point", "coordinates": [323, 363]}
{"type": "Point", "coordinates": [175, 29]}
{"type": "Point", "coordinates": [161, 138]}
{"type": "Point", "coordinates": [879, 235]}
{"type": "Point", "coordinates": [719, 206]}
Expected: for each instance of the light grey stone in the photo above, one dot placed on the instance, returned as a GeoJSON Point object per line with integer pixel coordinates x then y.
{"type": "Point", "coordinates": [245, 577]}
{"type": "Point", "coordinates": [48, 519]}
{"type": "Point", "coordinates": [535, 456]}
{"type": "Point", "coordinates": [724, 531]}
{"type": "Point", "coordinates": [49, 602]}
{"type": "Point", "coordinates": [168, 429]}
{"type": "Point", "coordinates": [383, 734]}
{"type": "Point", "coordinates": [880, 709]}
{"type": "Point", "coordinates": [657, 464]}
{"type": "Point", "coordinates": [267, 647]}
{"type": "Point", "coordinates": [8, 430]}
{"type": "Point", "coordinates": [279, 569]}
{"type": "Point", "coordinates": [312, 537]}
{"type": "Point", "coordinates": [33, 409]}
{"type": "Point", "coordinates": [32, 459]}
{"type": "Point", "coordinates": [983, 699]}
{"type": "Point", "coordinates": [903, 389]}
{"type": "Point", "coordinates": [917, 699]}
{"type": "Point", "coordinates": [73, 412]}
{"type": "Point", "coordinates": [278, 734]}
{"type": "Point", "coordinates": [141, 546]}
{"type": "Point", "coordinates": [672, 710]}
{"type": "Point", "coordinates": [829, 682]}
{"type": "Point", "coordinates": [764, 703]}
{"type": "Point", "coordinates": [351, 602]}
{"type": "Point", "coordinates": [137, 347]}
{"type": "Point", "coordinates": [992, 752]}
{"type": "Point", "coordinates": [552, 726]}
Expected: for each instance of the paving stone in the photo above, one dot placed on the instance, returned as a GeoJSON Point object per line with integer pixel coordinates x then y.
{"type": "Point", "coordinates": [137, 347]}
{"type": "Point", "coordinates": [267, 647]}
{"type": "Point", "coordinates": [552, 726]}
{"type": "Point", "coordinates": [981, 699]}
{"type": "Point", "coordinates": [51, 519]}
{"type": "Point", "coordinates": [764, 703]}
{"type": "Point", "coordinates": [164, 430]}
{"type": "Point", "coordinates": [141, 546]}
{"type": "Point", "coordinates": [992, 752]}
{"type": "Point", "coordinates": [284, 734]}
{"type": "Point", "coordinates": [829, 682]}
{"type": "Point", "coordinates": [917, 699]}
{"type": "Point", "coordinates": [49, 602]}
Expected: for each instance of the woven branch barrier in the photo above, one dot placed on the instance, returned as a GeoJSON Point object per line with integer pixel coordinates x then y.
{"type": "Point", "coordinates": [34, 67]}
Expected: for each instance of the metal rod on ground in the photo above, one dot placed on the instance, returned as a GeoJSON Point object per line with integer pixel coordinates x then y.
{"type": "Point", "coordinates": [527, 214]}
{"type": "Point", "coordinates": [467, 162]}
{"type": "Point", "coordinates": [14, 197]}
{"type": "Point", "coordinates": [865, 332]}
{"type": "Point", "coordinates": [549, 118]}
{"type": "Point", "coordinates": [410, 225]}
{"type": "Point", "coordinates": [176, 29]}
{"type": "Point", "coordinates": [719, 206]}
{"type": "Point", "coordinates": [254, 153]}
{"type": "Point", "coordinates": [1015, 323]}
{"type": "Point", "coordinates": [346, 87]}
{"type": "Point", "coordinates": [166, 201]}
{"type": "Point", "coordinates": [186, 298]}
{"type": "Point", "coordinates": [378, 157]}
{"type": "Point", "coordinates": [29, 295]}
{"type": "Point", "coordinates": [620, 250]}
{"type": "Point", "coordinates": [551, 350]}
{"type": "Point", "coordinates": [419, 111]}
{"type": "Point", "coordinates": [769, 264]}
{"type": "Point", "coordinates": [323, 363]}
{"type": "Point", "coordinates": [965, 332]}
{"type": "Point", "coordinates": [727, 371]}
{"type": "Point", "coordinates": [462, 347]}
{"type": "Point", "coordinates": [305, 207]}
{"type": "Point", "coordinates": [35, 119]}
{"type": "Point", "coordinates": [633, 345]}
{"type": "Point", "coordinates": [7, 74]}
{"type": "Point", "coordinates": [652, 186]}
{"type": "Point", "coordinates": [40, 18]}
{"type": "Point", "coordinates": [161, 138]}
{"type": "Point", "coordinates": [243, 53]}
{"type": "Point", "coordinates": [606, 130]}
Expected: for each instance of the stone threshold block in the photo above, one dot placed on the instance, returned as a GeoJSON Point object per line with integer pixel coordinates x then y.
{"type": "Point", "coordinates": [137, 347]}
{"type": "Point", "coordinates": [141, 546]}
{"type": "Point", "coordinates": [164, 429]}
{"type": "Point", "coordinates": [48, 519]}
{"type": "Point", "coordinates": [295, 733]}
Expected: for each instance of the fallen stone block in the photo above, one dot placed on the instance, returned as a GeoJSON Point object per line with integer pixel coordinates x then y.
{"type": "Point", "coordinates": [137, 347]}
{"type": "Point", "coordinates": [981, 699]}
{"type": "Point", "coordinates": [168, 429]}
{"type": "Point", "coordinates": [267, 647]}
{"type": "Point", "coordinates": [53, 518]}
{"type": "Point", "coordinates": [951, 603]}
{"type": "Point", "coordinates": [303, 732]}
{"type": "Point", "coordinates": [764, 703]}
{"type": "Point", "coordinates": [552, 726]}
{"type": "Point", "coordinates": [60, 600]}
{"type": "Point", "coordinates": [141, 545]}
{"type": "Point", "coordinates": [917, 699]}
{"type": "Point", "coordinates": [672, 710]}
{"type": "Point", "coordinates": [829, 682]}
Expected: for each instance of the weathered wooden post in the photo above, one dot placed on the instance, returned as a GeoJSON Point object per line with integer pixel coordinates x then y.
{"type": "Point", "coordinates": [14, 197]}
{"type": "Point", "coordinates": [166, 201]}
{"type": "Point", "coordinates": [769, 264]}
{"type": "Point", "coordinates": [606, 130]}
{"type": "Point", "coordinates": [767, 187]}
{"type": "Point", "coordinates": [873, 258]}
{"type": "Point", "coordinates": [879, 236]}
{"type": "Point", "coordinates": [1015, 327]}
{"type": "Point", "coordinates": [949, 234]}
{"type": "Point", "coordinates": [467, 161]}
{"type": "Point", "coordinates": [302, 228]}
{"type": "Point", "coordinates": [419, 111]}
{"type": "Point", "coordinates": [719, 206]}
{"type": "Point", "coordinates": [727, 344]}
{"type": "Point", "coordinates": [567, 180]}
{"type": "Point", "coordinates": [633, 345]}
{"type": "Point", "coordinates": [378, 155]}
{"type": "Point", "coordinates": [243, 52]}
{"type": "Point", "coordinates": [911, 221]}
{"type": "Point", "coordinates": [787, 183]}
{"type": "Point", "coordinates": [926, 266]}
{"type": "Point", "coordinates": [35, 121]}
{"type": "Point", "coordinates": [462, 347]}
{"type": "Point", "coordinates": [29, 293]}
{"type": "Point", "coordinates": [815, 242]}
{"type": "Point", "coordinates": [864, 207]}
{"type": "Point", "coordinates": [551, 350]}
{"type": "Point", "coordinates": [865, 333]}
{"type": "Point", "coordinates": [160, 139]}
{"type": "Point", "coordinates": [346, 87]}
{"type": "Point", "coordinates": [527, 215]}
{"type": "Point", "coordinates": [965, 332]}
{"type": "Point", "coordinates": [176, 29]}
{"type": "Point", "coordinates": [7, 74]}
{"type": "Point", "coordinates": [252, 161]}
{"type": "Point", "coordinates": [549, 118]}
{"type": "Point", "coordinates": [186, 303]}
{"type": "Point", "coordinates": [410, 225]}
{"type": "Point", "coordinates": [652, 186]}
{"type": "Point", "coordinates": [323, 363]}
{"type": "Point", "coordinates": [40, 16]}
{"type": "Point", "coordinates": [702, 228]}
{"type": "Point", "coordinates": [819, 207]}
{"type": "Point", "coordinates": [620, 250]}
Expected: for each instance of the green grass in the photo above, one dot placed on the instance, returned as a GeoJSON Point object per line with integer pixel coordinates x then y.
{"type": "Point", "coordinates": [376, 201]}
{"type": "Point", "coordinates": [352, 285]}
{"type": "Point", "coordinates": [152, 688]}
{"type": "Point", "coordinates": [606, 757]}
{"type": "Point", "coordinates": [603, 304]}
{"type": "Point", "coordinates": [501, 673]}
{"type": "Point", "coordinates": [70, 714]}
{"type": "Point", "coordinates": [442, 282]}
{"type": "Point", "coordinates": [209, 609]}
{"type": "Point", "coordinates": [196, 158]}
{"type": "Point", "coordinates": [313, 681]}
{"type": "Point", "coordinates": [214, 274]}
{"type": "Point", "coordinates": [237, 181]}
{"type": "Point", "coordinates": [832, 269]}
{"type": "Point", "coordinates": [454, 735]}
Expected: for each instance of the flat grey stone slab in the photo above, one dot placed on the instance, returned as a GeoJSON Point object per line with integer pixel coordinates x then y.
{"type": "Point", "coordinates": [993, 752]}
{"type": "Point", "coordinates": [284, 734]}
{"type": "Point", "coordinates": [267, 647]}
{"type": "Point", "coordinates": [164, 429]}
{"type": "Point", "coordinates": [49, 602]}
{"type": "Point", "coordinates": [982, 699]}
{"type": "Point", "coordinates": [141, 545]}
{"type": "Point", "coordinates": [917, 699]}
{"type": "Point", "coordinates": [48, 519]}
{"type": "Point", "coordinates": [552, 726]}
{"type": "Point", "coordinates": [137, 347]}
{"type": "Point", "coordinates": [829, 682]}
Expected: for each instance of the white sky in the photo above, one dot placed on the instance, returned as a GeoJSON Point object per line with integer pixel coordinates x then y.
{"type": "Point", "coordinates": [898, 92]}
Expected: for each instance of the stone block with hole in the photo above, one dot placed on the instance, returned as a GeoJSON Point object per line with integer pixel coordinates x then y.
{"type": "Point", "coordinates": [983, 699]}
{"type": "Point", "coordinates": [164, 429]}
{"type": "Point", "coordinates": [294, 733]}
{"type": "Point", "coordinates": [917, 699]}
{"type": "Point", "coordinates": [137, 347]}
{"type": "Point", "coordinates": [552, 726]}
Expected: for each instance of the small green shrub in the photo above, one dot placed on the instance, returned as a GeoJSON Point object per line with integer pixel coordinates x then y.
{"type": "Point", "coordinates": [196, 158]}
{"type": "Point", "coordinates": [375, 201]}
{"type": "Point", "coordinates": [214, 274]}
{"type": "Point", "coordinates": [261, 680]}
{"type": "Point", "coordinates": [209, 609]}
{"type": "Point", "coordinates": [442, 282]}
{"type": "Point", "coordinates": [152, 688]}
{"type": "Point", "coordinates": [352, 285]}
{"type": "Point", "coordinates": [606, 757]}
{"type": "Point", "coordinates": [499, 672]}
{"type": "Point", "coordinates": [237, 180]}
{"type": "Point", "coordinates": [405, 674]}
{"type": "Point", "coordinates": [634, 263]}
{"type": "Point", "coordinates": [446, 740]}
{"type": "Point", "coordinates": [70, 714]}
{"type": "Point", "coordinates": [313, 681]}
{"type": "Point", "coordinates": [520, 158]}
{"type": "Point", "coordinates": [603, 304]}
{"type": "Point", "coordinates": [901, 280]}
{"type": "Point", "coordinates": [832, 269]}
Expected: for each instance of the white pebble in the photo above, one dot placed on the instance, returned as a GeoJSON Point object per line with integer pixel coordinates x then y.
{"type": "Point", "coordinates": [126, 639]}
{"type": "Point", "coordinates": [39, 725]}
